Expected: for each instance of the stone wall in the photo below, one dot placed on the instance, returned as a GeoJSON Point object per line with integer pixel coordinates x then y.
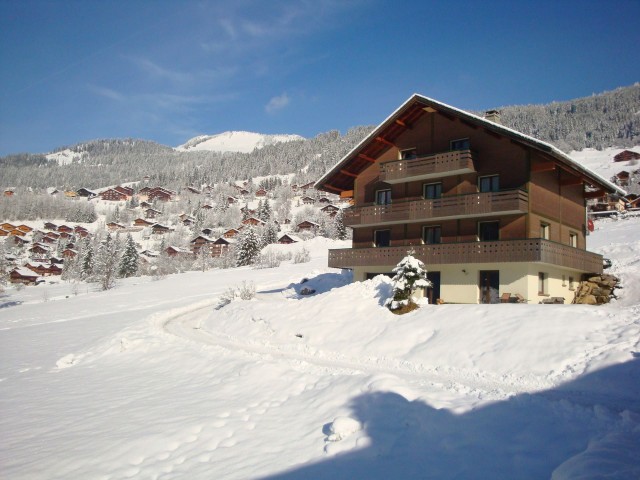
{"type": "Point", "coordinates": [596, 290]}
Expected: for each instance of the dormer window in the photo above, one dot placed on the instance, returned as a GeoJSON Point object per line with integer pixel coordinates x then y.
{"type": "Point", "coordinates": [460, 144]}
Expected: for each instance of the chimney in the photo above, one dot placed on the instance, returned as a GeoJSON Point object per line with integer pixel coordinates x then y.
{"type": "Point", "coordinates": [493, 116]}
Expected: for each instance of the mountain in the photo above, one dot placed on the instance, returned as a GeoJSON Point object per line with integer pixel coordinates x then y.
{"type": "Point", "coordinates": [243, 142]}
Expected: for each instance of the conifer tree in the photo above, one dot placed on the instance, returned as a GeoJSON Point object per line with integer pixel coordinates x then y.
{"type": "Point", "coordinates": [87, 258]}
{"type": "Point", "coordinates": [129, 261]}
{"type": "Point", "coordinates": [106, 263]}
{"type": "Point", "coordinates": [409, 275]}
{"type": "Point", "coordinates": [248, 247]}
{"type": "Point", "coordinates": [270, 233]}
{"type": "Point", "coordinates": [341, 230]}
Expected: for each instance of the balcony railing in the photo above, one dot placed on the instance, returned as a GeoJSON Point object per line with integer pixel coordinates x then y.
{"type": "Point", "coordinates": [504, 251]}
{"type": "Point", "coordinates": [432, 166]}
{"type": "Point", "coordinates": [449, 207]}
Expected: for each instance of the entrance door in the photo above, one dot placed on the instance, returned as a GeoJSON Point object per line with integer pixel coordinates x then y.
{"type": "Point", "coordinates": [433, 292]}
{"type": "Point", "coordinates": [489, 286]}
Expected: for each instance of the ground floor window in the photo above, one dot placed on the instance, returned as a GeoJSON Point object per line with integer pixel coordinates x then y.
{"type": "Point", "coordinates": [543, 283]}
{"type": "Point", "coordinates": [489, 286]}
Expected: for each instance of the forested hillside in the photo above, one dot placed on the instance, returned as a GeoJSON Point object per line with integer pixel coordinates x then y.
{"type": "Point", "coordinates": [604, 120]}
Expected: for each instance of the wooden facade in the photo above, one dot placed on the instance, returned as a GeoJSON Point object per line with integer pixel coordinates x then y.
{"type": "Point", "coordinates": [468, 195]}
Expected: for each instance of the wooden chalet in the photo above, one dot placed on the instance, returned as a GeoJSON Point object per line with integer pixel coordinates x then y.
{"type": "Point", "coordinates": [220, 246]}
{"type": "Point", "coordinates": [288, 238]}
{"type": "Point", "coordinates": [3, 233]}
{"type": "Point", "coordinates": [626, 155]}
{"type": "Point", "coordinates": [9, 192]}
{"type": "Point", "coordinates": [16, 239]}
{"type": "Point", "coordinates": [231, 200]}
{"type": "Point", "coordinates": [261, 192]}
{"type": "Point", "coordinates": [8, 226]}
{"type": "Point", "coordinates": [65, 228]}
{"type": "Point", "coordinates": [24, 276]}
{"type": "Point", "coordinates": [44, 270]}
{"type": "Point", "coordinates": [50, 226]}
{"type": "Point", "coordinates": [142, 222]}
{"type": "Point", "coordinates": [324, 200]}
{"type": "Point", "coordinates": [85, 192]}
{"type": "Point", "coordinates": [39, 251]}
{"type": "Point", "coordinates": [330, 210]}
{"type": "Point", "coordinates": [307, 226]}
{"type": "Point", "coordinates": [69, 253]}
{"type": "Point", "coordinates": [162, 194]}
{"type": "Point", "coordinates": [622, 178]}
{"type": "Point", "coordinates": [488, 209]}
{"type": "Point", "coordinates": [113, 195]}
{"type": "Point", "coordinates": [200, 242]}
{"type": "Point", "coordinates": [307, 186]}
{"type": "Point", "coordinates": [159, 229]}
{"type": "Point", "coordinates": [207, 231]}
{"type": "Point", "coordinates": [231, 233]}
{"type": "Point", "coordinates": [206, 206]}
{"type": "Point", "coordinates": [256, 222]}
{"type": "Point", "coordinates": [115, 226]}
{"type": "Point", "coordinates": [308, 200]}
{"type": "Point", "coordinates": [174, 251]}
{"type": "Point", "coordinates": [128, 191]}
{"type": "Point", "coordinates": [151, 213]}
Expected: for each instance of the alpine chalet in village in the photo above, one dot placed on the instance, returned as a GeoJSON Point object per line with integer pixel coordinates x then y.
{"type": "Point", "coordinates": [492, 213]}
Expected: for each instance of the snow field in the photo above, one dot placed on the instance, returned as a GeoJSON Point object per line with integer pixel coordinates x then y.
{"type": "Point", "coordinates": [155, 379]}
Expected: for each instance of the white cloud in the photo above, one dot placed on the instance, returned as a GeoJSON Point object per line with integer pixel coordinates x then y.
{"type": "Point", "coordinates": [106, 92]}
{"type": "Point", "coordinates": [277, 103]}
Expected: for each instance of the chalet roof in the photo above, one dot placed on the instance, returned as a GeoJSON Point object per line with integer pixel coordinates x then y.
{"type": "Point", "coordinates": [25, 272]}
{"type": "Point", "coordinates": [204, 237]}
{"type": "Point", "coordinates": [341, 176]}
{"type": "Point", "coordinates": [291, 237]}
{"type": "Point", "coordinates": [309, 222]}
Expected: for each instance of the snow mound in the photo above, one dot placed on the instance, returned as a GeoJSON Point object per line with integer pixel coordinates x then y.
{"type": "Point", "coordinates": [243, 142]}
{"type": "Point", "coordinates": [343, 427]}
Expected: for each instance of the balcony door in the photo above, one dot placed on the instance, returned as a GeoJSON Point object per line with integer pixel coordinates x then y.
{"type": "Point", "coordinates": [488, 231]}
{"type": "Point", "coordinates": [489, 286]}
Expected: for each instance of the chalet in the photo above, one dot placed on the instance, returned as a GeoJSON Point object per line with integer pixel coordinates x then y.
{"type": "Point", "coordinates": [207, 231]}
{"type": "Point", "coordinates": [145, 204]}
{"type": "Point", "coordinates": [66, 235]}
{"type": "Point", "coordinates": [24, 276]}
{"type": "Point", "coordinates": [206, 206]}
{"type": "Point", "coordinates": [142, 222]}
{"type": "Point", "coordinates": [220, 246]}
{"type": "Point", "coordinates": [489, 210]}
{"type": "Point", "coordinates": [231, 200]}
{"type": "Point", "coordinates": [3, 233]}
{"type": "Point", "coordinates": [7, 226]}
{"type": "Point", "coordinates": [330, 210]}
{"type": "Point", "coordinates": [253, 221]}
{"type": "Point", "coordinates": [16, 239]}
{"type": "Point", "coordinates": [622, 178]}
{"type": "Point", "coordinates": [39, 251]}
{"type": "Point", "coordinates": [231, 233]}
{"type": "Point", "coordinates": [173, 251]}
{"type": "Point", "coordinates": [307, 186]}
{"type": "Point", "coordinates": [626, 155]}
{"type": "Point", "coordinates": [160, 229]}
{"type": "Point", "coordinates": [81, 231]}
{"type": "Point", "coordinates": [307, 226]}
{"type": "Point", "coordinates": [85, 192]}
{"type": "Point", "coordinates": [9, 192]}
{"type": "Point", "coordinates": [70, 194]}
{"type": "Point", "coordinates": [201, 241]}
{"type": "Point", "coordinates": [115, 226]}
{"type": "Point", "coordinates": [128, 191]}
{"type": "Point", "coordinates": [113, 195]}
{"type": "Point", "coordinates": [261, 192]}
{"type": "Point", "coordinates": [56, 260]}
{"type": "Point", "coordinates": [65, 228]}
{"type": "Point", "coordinates": [151, 213]}
{"type": "Point", "coordinates": [162, 194]}
{"type": "Point", "coordinates": [24, 228]}
{"type": "Point", "coordinates": [324, 200]}
{"type": "Point", "coordinates": [44, 270]}
{"type": "Point", "coordinates": [69, 253]}
{"type": "Point", "coordinates": [308, 200]}
{"type": "Point", "coordinates": [52, 191]}
{"type": "Point", "coordinates": [50, 226]}
{"type": "Point", "coordinates": [288, 238]}
{"type": "Point", "coordinates": [193, 190]}
{"type": "Point", "coordinates": [150, 253]}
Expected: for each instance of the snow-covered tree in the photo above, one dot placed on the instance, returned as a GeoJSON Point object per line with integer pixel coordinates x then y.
{"type": "Point", "coordinates": [410, 274]}
{"type": "Point", "coordinates": [270, 233]}
{"type": "Point", "coordinates": [86, 259]}
{"type": "Point", "coordinates": [340, 229]}
{"type": "Point", "coordinates": [106, 263]}
{"type": "Point", "coordinates": [128, 266]}
{"type": "Point", "coordinates": [248, 247]}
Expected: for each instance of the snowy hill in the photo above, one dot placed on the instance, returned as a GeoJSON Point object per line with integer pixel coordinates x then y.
{"type": "Point", "coordinates": [244, 142]}
{"type": "Point", "coordinates": [165, 379]}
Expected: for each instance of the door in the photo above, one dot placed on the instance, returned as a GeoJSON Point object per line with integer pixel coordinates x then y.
{"type": "Point", "coordinates": [433, 292]}
{"type": "Point", "coordinates": [489, 286]}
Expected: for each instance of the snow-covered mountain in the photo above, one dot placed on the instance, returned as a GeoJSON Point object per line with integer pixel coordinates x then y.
{"type": "Point", "coordinates": [244, 142]}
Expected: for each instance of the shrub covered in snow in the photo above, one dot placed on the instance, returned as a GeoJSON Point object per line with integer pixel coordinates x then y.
{"type": "Point", "coordinates": [409, 275]}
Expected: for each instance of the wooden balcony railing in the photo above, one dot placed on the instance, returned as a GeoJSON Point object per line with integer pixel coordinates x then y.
{"type": "Point", "coordinates": [449, 207]}
{"type": "Point", "coordinates": [504, 251]}
{"type": "Point", "coordinates": [437, 165]}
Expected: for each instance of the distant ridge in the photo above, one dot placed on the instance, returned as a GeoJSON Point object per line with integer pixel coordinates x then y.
{"type": "Point", "coordinates": [236, 141]}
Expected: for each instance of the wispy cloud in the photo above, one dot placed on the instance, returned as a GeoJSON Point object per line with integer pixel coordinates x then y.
{"type": "Point", "coordinates": [154, 70]}
{"type": "Point", "coordinates": [106, 92]}
{"type": "Point", "coordinates": [277, 103]}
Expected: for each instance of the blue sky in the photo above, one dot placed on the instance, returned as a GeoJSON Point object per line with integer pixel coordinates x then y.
{"type": "Point", "coordinates": [169, 70]}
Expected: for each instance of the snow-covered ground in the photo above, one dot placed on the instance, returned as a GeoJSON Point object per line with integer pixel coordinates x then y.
{"type": "Point", "coordinates": [164, 379]}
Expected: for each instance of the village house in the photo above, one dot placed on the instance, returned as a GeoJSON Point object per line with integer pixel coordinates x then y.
{"type": "Point", "coordinates": [261, 192]}
{"type": "Point", "coordinates": [142, 222]}
{"type": "Point", "coordinates": [7, 226]}
{"type": "Point", "coordinates": [113, 195]}
{"type": "Point", "coordinates": [115, 226]}
{"type": "Point", "coordinates": [288, 238]}
{"type": "Point", "coordinates": [200, 242]}
{"type": "Point", "coordinates": [69, 253]}
{"type": "Point", "coordinates": [159, 229]}
{"type": "Point", "coordinates": [330, 210]}
{"type": "Point", "coordinates": [174, 251]}
{"type": "Point", "coordinates": [626, 155]}
{"type": "Point", "coordinates": [490, 211]}
{"type": "Point", "coordinates": [9, 192]}
{"type": "Point", "coordinates": [3, 232]}
{"type": "Point", "coordinates": [50, 226]}
{"type": "Point", "coordinates": [24, 276]}
{"type": "Point", "coordinates": [24, 228]}
{"type": "Point", "coordinates": [85, 192]}
{"type": "Point", "coordinates": [220, 246]}
{"type": "Point", "coordinates": [44, 270]}
{"type": "Point", "coordinates": [151, 213]}
{"type": "Point", "coordinates": [162, 194]}
{"type": "Point", "coordinates": [39, 251]}
{"type": "Point", "coordinates": [308, 200]}
{"type": "Point", "coordinates": [193, 190]}
{"type": "Point", "coordinates": [65, 228]}
{"type": "Point", "coordinates": [253, 221]}
{"type": "Point", "coordinates": [307, 226]}
{"type": "Point", "coordinates": [231, 233]}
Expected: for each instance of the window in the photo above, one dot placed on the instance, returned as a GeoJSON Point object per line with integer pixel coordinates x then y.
{"type": "Point", "coordinates": [571, 285]}
{"type": "Point", "coordinates": [488, 231]}
{"type": "Point", "coordinates": [408, 154]}
{"type": "Point", "coordinates": [432, 190]}
{"type": "Point", "coordinates": [543, 283]}
{"type": "Point", "coordinates": [431, 235]}
{"type": "Point", "coordinates": [573, 240]}
{"type": "Point", "coordinates": [381, 238]}
{"type": "Point", "coordinates": [383, 197]}
{"type": "Point", "coordinates": [489, 183]}
{"type": "Point", "coordinates": [544, 231]}
{"type": "Point", "coordinates": [461, 144]}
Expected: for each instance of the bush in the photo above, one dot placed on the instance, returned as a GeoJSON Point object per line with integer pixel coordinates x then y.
{"type": "Point", "coordinates": [302, 256]}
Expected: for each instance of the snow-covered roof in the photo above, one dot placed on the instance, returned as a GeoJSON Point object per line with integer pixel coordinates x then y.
{"type": "Point", "coordinates": [556, 153]}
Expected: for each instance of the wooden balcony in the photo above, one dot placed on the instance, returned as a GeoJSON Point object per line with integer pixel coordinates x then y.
{"type": "Point", "coordinates": [505, 251]}
{"type": "Point", "coordinates": [449, 207]}
{"type": "Point", "coordinates": [432, 166]}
